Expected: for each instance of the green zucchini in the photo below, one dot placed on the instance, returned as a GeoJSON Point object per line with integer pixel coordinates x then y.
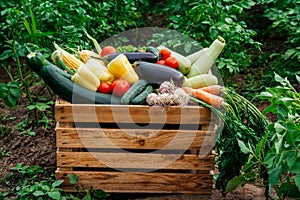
{"type": "Point", "coordinates": [59, 81]}
{"type": "Point", "coordinates": [133, 91]}
{"type": "Point", "coordinates": [36, 60]}
{"type": "Point", "coordinates": [152, 49]}
{"type": "Point", "coordinates": [141, 98]}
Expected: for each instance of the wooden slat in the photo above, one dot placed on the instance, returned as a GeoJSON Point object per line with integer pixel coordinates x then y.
{"type": "Point", "coordinates": [132, 114]}
{"type": "Point", "coordinates": [134, 138]}
{"type": "Point", "coordinates": [126, 160]}
{"type": "Point", "coordinates": [136, 182]}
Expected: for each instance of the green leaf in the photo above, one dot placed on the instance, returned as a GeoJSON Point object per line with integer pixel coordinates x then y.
{"type": "Point", "coordinates": [15, 92]}
{"type": "Point", "coordinates": [274, 175]}
{"type": "Point", "coordinates": [100, 193]}
{"type": "Point", "coordinates": [265, 95]}
{"type": "Point", "coordinates": [38, 193]}
{"type": "Point", "coordinates": [278, 78]}
{"type": "Point", "coordinates": [296, 167]}
{"type": "Point", "coordinates": [10, 100]}
{"type": "Point", "coordinates": [57, 183]}
{"type": "Point", "coordinates": [298, 78]}
{"type": "Point", "coordinates": [297, 180]}
{"type": "Point", "coordinates": [235, 182]}
{"type": "Point", "coordinates": [243, 147]}
{"type": "Point", "coordinates": [54, 195]}
{"type": "Point", "coordinates": [279, 128]}
{"type": "Point", "coordinates": [290, 158]}
{"type": "Point", "coordinates": [73, 178]}
{"type": "Point", "coordinates": [278, 144]}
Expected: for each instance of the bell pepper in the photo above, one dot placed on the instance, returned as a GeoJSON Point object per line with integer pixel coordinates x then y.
{"type": "Point", "coordinates": [121, 68]}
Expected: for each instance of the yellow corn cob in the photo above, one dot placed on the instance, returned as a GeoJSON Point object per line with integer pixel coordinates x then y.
{"type": "Point", "coordinates": [70, 60]}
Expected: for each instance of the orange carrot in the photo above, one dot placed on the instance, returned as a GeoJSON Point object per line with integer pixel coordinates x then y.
{"type": "Point", "coordinates": [213, 100]}
{"type": "Point", "coordinates": [213, 89]}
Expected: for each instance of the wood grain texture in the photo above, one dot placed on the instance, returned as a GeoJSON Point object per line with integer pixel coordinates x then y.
{"type": "Point", "coordinates": [135, 182]}
{"type": "Point", "coordinates": [127, 160]}
{"type": "Point", "coordinates": [132, 114]}
{"type": "Point", "coordinates": [133, 138]}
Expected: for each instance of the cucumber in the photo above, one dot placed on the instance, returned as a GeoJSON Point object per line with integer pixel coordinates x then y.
{"type": "Point", "coordinates": [202, 80]}
{"type": "Point", "coordinates": [141, 98]}
{"type": "Point", "coordinates": [152, 49]}
{"type": "Point", "coordinates": [59, 81]}
{"type": "Point", "coordinates": [156, 74]}
{"type": "Point", "coordinates": [184, 65]}
{"type": "Point", "coordinates": [133, 91]}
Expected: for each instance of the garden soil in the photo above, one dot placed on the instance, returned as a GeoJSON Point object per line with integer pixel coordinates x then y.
{"type": "Point", "coordinates": [40, 150]}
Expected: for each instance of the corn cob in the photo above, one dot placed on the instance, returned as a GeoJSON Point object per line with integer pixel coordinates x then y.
{"type": "Point", "coordinates": [69, 59]}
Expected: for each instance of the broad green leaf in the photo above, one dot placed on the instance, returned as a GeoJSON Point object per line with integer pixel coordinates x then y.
{"type": "Point", "coordinates": [87, 196]}
{"type": "Point", "coordinates": [5, 54]}
{"type": "Point", "coordinates": [11, 101]}
{"type": "Point", "coordinates": [296, 167]}
{"type": "Point", "coordinates": [38, 193]}
{"type": "Point", "coordinates": [278, 78]}
{"type": "Point", "coordinates": [279, 128]}
{"type": "Point", "coordinates": [269, 159]}
{"type": "Point", "coordinates": [265, 95]}
{"type": "Point", "coordinates": [57, 183]}
{"type": "Point", "coordinates": [235, 182]}
{"type": "Point", "coordinates": [54, 195]}
{"type": "Point", "coordinates": [73, 178]}
{"type": "Point", "coordinates": [290, 157]}
{"type": "Point", "coordinates": [243, 147]}
{"type": "Point", "coordinates": [15, 92]}
{"type": "Point", "coordinates": [274, 175]}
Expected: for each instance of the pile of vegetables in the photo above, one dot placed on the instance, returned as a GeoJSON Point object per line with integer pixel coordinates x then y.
{"type": "Point", "coordinates": [131, 77]}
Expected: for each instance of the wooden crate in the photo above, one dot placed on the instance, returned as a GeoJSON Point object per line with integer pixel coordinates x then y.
{"type": "Point", "coordinates": [124, 149]}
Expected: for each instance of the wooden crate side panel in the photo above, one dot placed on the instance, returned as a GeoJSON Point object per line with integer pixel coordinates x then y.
{"type": "Point", "coordinates": [141, 182]}
{"type": "Point", "coordinates": [131, 114]}
{"type": "Point", "coordinates": [134, 138]}
{"type": "Point", "coordinates": [136, 161]}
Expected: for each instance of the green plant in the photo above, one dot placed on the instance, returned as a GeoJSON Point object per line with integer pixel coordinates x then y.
{"type": "Point", "coordinates": [41, 110]}
{"type": "Point", "coordinates": [86, 192]}
{"type": "Point", "coordinates": [24, 128]}
{"type": "Point", "coordinates": [276, 156]}
{"type": "Point", "coordinates": [4, 152]}
{"type": "Point", "coordinates": [206, 20]}
{"type": "Point", "coordinates": [10, 92]}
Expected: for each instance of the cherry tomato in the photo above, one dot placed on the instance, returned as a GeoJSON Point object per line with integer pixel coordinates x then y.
{"type": "Point", "coordinates": [105, 88]}
{"type": "Point", "coordinates": [161, 62]}
{"type": "Point", "coordinates": [164, 54]}
{"type": "Point", "coordinates": [107, 50]}
{"type": "Point", "coordinates": [119, 87]}
{"type": "Point", "coordinates": [172, 62]}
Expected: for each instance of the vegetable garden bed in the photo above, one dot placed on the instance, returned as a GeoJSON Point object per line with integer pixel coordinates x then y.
{"type": "Point", "coordinates": [152, 151]}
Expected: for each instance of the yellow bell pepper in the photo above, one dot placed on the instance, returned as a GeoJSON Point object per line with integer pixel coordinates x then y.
{"type": "Point", "coordinates": [121, 68]}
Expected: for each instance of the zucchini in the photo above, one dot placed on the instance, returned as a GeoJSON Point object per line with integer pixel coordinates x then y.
{"type": "Point", "coordinates": [59, 81]}
{"type": "Point", "coordinates": [141, 98]}
{"type": "Point", "coordinates": [133, 57]}
{"type": "Point", "coordinates": [199, 81]}
{"type": "Point", "coordinates": [195, 56]}
{"type": "Point", "coordinates": [36, 60]}
{"type": "Point", "coordinates": [133, 91]}
{"type": "Point", "coordinates": [184, 65]}
{"type": "Point", "coordinates": [152, 49]}
{"type": "Point", "coordinates": [156, 74]}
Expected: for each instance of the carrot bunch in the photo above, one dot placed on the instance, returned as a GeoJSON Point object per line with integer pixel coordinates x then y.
{"type": "Point", "coordinates": [210, 94]}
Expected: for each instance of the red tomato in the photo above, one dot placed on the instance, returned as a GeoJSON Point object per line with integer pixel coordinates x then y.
{"type": "Point", "coordinates": [119, 87]}
{"type": "Point", "coordinates": [107, 50]}
{"type": "Point", "coordinates": [164, 54]}
{"type": "Point", "coordinates": [161, 62]}
{"type": "Point", "coordinates": [105, 88]}
{"type": "Point", "coordinates": [172, 62]}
